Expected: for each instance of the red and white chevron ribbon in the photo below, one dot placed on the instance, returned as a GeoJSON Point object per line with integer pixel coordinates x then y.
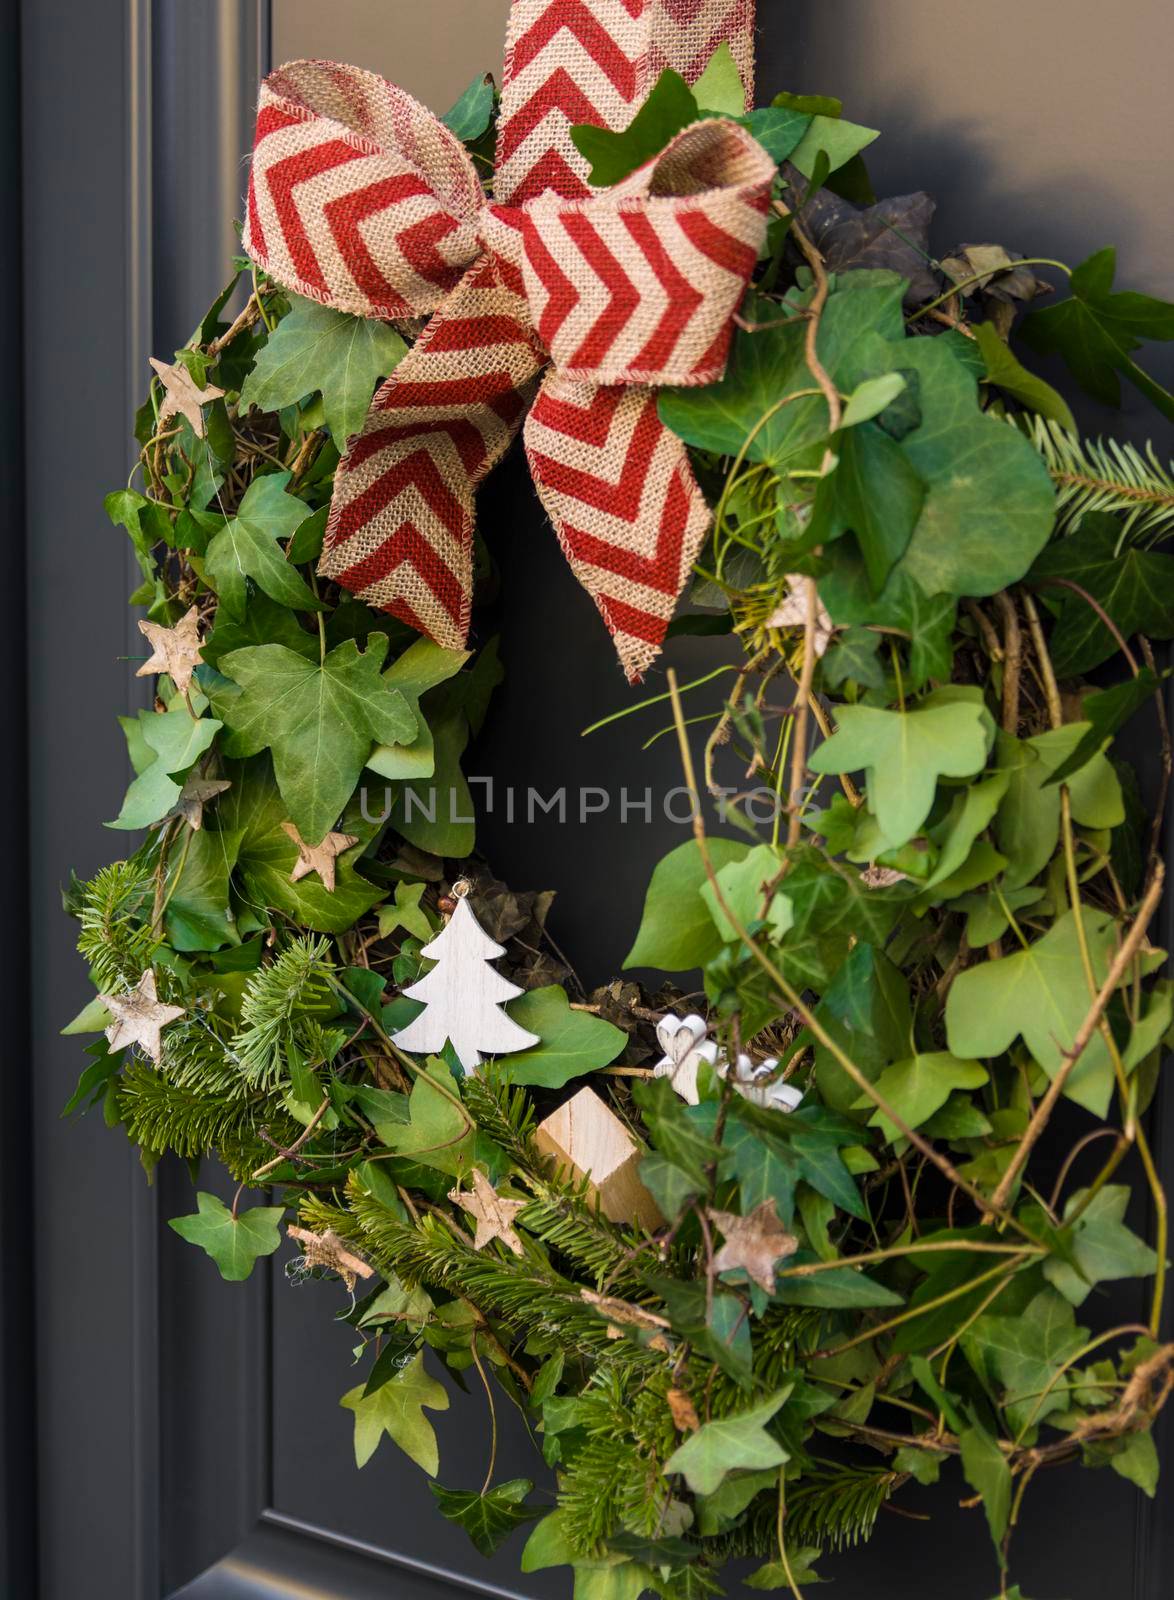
{"type": "Point", "coordinates": [360, 198]}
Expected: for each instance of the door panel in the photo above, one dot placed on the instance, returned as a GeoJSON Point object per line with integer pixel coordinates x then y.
{"type": "Point", "coordinates": [190, 1442]}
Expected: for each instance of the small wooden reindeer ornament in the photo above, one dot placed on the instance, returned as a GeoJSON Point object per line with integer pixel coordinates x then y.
{"type": "Point", "coordinates": [588, 1140]}
{"type": "Point", "coordinates": [463, 994]}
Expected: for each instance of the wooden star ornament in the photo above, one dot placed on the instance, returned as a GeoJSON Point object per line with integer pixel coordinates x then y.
{"type": "Point", "coordinates": [139, 1016]}
{"type": "Point", "coordinates": [176, 651]}
{"type": "Point", "coordinates": [756, 1242]}
{"type": "Point", "coordinates": [196, 794]}
{"type": "Point", "coordinates": [493, 1215]}
{"type": "Point", "coordinates": [319, 858]}
{"type": "Point", "coordinates": [182, 396]}
{"type": "Point", "coordinates": [328, 1251]}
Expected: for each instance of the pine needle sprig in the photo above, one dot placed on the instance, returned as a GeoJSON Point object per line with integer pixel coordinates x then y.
{"type": "Point", "coordinates": [1106, 475]}
{"type": "Point", "coordinates": [162, 1116]}
{"type": "Point", "coordinates": [528, 1300]}
{"type": "Point", "coordinates": [279, 1000]}
{"type": "Point", "coordinates": [116, 937]}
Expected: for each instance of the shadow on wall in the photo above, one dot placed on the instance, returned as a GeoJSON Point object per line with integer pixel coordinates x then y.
{"type": "Point", "coordinates": [1047, 129]}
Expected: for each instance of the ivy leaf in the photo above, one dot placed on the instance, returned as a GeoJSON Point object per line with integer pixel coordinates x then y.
{"type": "Point", "coordinates": [1135, 1458]}
{"type": "Point", "coordinates": [439, 1133]}
{"type": "Point", "coordinates": [423, 666]}
{"type": "Point", "coordinates": [316, 350]}
{"type": "Point", "coordinates": [732, 1444]}
{"type": "Point", "coordinates": [1105, 714]}
{"type": "Point", "coordinates": [1039, 994]}
{"type": "Point", "coordinates": [1008, 373]}
{"type": "Point", "coordinates": [252, 811]}
{"type": "Point", "coordinates": [719, 89]}
{"type": "Point", "coordinates": [176, 740]}
{"type": "Point", "coordinates": [264, 622]}
{"type": "Point", "coordinates": [903, 753]}
{"type": "Point", "coordinates": [1018, 1357]}
{"type": "Point", "coordinates": [866, 1011]}
{"type": "Point", "coordinates": [838, 140]}
{"type": "Point", "coordinates": [852, 657]}
{"type": "Point", "coordinates": [988, 1474]}
{"type": "Point", "coordinates": [676, 930]}
{"type": "Point", "coordinates": [877, 493]}
{"type": "Point", "coordinates": [247, 547]}
{"type": "Point", "coordinates": [1027, 826]}
{"type": "Point", "coordinates": [1102, 1247]}
{"type": "Point", "coordinates": [840, 1289]}
{"type": "Point", "coordinates": [487, 1518]}
{"type": "Point", "coordinates": [572, 1042]}
{"type": "Point", "coordinates": [198, 914]}
{"type": "Point", "coordinates": [319, 719]}
{"type": "Point", "coordinates": [965, 543]}
{"type": "Point", "coordinates": [771, 1155]}
{"type": "Point", "coordinates": [670, 107]}
{"type": "Point", "coordinates": [1096, 332]}
{"type": "Point", "coordinates": [1133, 585]}
{"type": "Point", "coordinates": [397, 1409]}
{"type": "Point", "coordinates": [924, 1465]}
{"type": "Point", "coordinates": [777, 130]}
{"type": "Point", "coordinates": [407, 913]}
{"type": "Point", "coordinates": [918, 1087]}
{"type": "Point", "coordinates": [470, 116]}
{"type": "Point", "coordinates": [233, 1243]}
{"type": "Point", "coordinates": [741, 885]}
{"type": "Point", "coordinates": [769, 366]}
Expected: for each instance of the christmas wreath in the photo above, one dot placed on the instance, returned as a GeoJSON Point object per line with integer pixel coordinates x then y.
{"type": "Point", "coordinates": [749, 1273]}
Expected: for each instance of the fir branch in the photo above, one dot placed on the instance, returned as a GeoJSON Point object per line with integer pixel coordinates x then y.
{"type": "Point", "coordinates": [531, 1301]}
{"type": "Point", "coordinates": [1105, 475]}
{"type": "Point", "coordinates": [281, 1008]}
{"type": "Point", "coordinates": [116, 937]}
{"type": "Point", "coordinates": [161, 1116]}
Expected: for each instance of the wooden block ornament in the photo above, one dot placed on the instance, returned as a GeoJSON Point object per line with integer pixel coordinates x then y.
{"type": "Point", "coordinates": [588, 1140]}
{"type": "Point", "coordinates": [463, 994]}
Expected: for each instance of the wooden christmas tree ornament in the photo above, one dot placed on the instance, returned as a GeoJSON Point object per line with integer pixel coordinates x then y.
{"type": "Point", "coordinates": [588, 1140]}
{"type": "Point", "coordinates": [463, 994]}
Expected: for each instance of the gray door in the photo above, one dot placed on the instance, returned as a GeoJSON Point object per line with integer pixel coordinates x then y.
{"type": "Point", "coordinates": [165, 1433]}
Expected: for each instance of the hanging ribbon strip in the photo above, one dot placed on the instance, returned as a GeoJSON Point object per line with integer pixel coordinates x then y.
{"type": "Point", "coordinates": [554, 304]}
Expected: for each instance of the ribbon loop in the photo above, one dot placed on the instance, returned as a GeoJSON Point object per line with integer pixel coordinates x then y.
{"type": "Point", "coordinates": [640, 284]}
{"type": "Point", "coordinates": [358, 196]}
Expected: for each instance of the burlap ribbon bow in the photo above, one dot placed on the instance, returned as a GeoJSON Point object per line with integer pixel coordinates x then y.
{"type": "Point", "coordinates": [362, 199]}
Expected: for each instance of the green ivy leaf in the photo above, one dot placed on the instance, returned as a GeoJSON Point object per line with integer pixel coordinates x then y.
{"type": "Point", "coordinates": [233, 1243]}
{"type": "Point", "coordinates": [1133, 585]}
{"type": "Point", "coordinates": [988, 1474]}
{"type": "Point", "coordinates": [1039, 994]}
{"type": "Point", "coordinates": [199, 914]}
{"type": "Point", "coordinates": [1102, 1247]}
{"type": "Point", "coordinates": [264, 622]}
{"type": "Point", "coordinates": [253, 811]}
{"type": "Point", "coordinates": [875, 492]}
{"type": "Point", "coordinates": [491, 1517]}
{"type": "Point", "coordinates": [670, 107]}
{"type": "Point", "coordinates": [1018, 1358]}
{"type": "Point", "coordinates": [1105, 714]}
{"type": "Point", "coordinates": [1096, 332]}
{"type": "Point", "coordinates": [176, 741]}
{"type": "Point", "coordinates": [573, 1042]}
{"type": "Point", "coordinates": [866, 1010]}
{"type": "Point", "coordinates": [438, 1134]}
{"type": "Point", "coordinates": [676, 931]}
{"type": "Point", "coordinates": [903, 754]}
{"type": "Point", "coordinates": [1008, 373]}
{"type": "Point", "coordinates": [719, 89]}
{"type": "Point", "coordinates": [918, 1087]}
{"type": "Point", "coordinates": [319, 719]}
{"type": "Point", "coordinates": [470, 116]}
{"type": "Point", "coordinates": [923, 1465]}
{"type": "Point", "coordinates": [247, 547]}
{"type": "Point", "coordinates": [735, 1443]}
{"type": "Point", "coordinates": [397, 1409]}
{"type": "Point", "coordinates": [316, 350]}
{"type": "Point", "coordinates": [742, 885]}
{"type": "Point", "coordinates": [406, 913]}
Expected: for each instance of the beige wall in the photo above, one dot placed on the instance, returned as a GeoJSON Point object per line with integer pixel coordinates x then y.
{"type": "Point", "coordinates": [432, 48]}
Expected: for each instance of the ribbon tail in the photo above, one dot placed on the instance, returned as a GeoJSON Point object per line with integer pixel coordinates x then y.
{"type": "Point", "coordinates": [685, 33]}
{"type": "Point", "coordinates": [400, 534]}
{"type": "Point", "coordinates": [621, 494]}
